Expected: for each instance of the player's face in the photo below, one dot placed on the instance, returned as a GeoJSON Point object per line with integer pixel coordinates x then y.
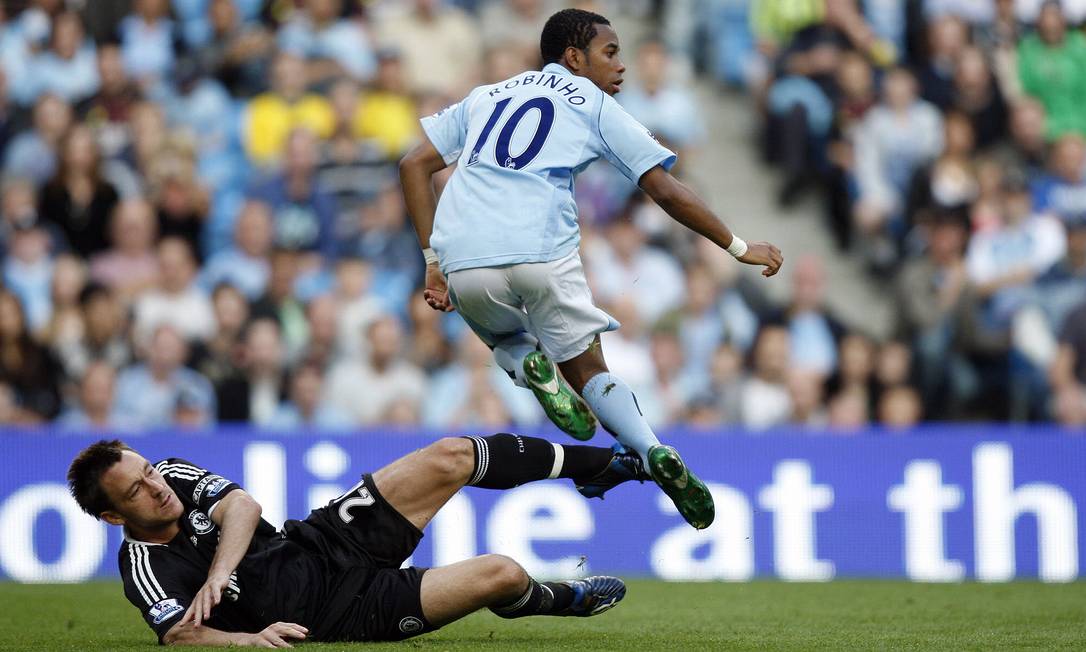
{"type": "Point", "coordinates": [605, 66]}
{"type": "Point", "coordinates": [141, 498]}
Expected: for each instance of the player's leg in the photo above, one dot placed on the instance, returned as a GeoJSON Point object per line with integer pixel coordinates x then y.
{"type": "Point", "coordinates": [568, 325]}
{"type": "Point", "coordinates": [417, 485]}
{"type": "Point", "coordinates": [489, 304]}
{"type": "Point", "coordinates": [502, 585]}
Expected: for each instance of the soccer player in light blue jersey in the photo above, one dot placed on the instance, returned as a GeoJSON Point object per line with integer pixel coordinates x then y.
{"type": "Point", "coordinates": [501, 245]}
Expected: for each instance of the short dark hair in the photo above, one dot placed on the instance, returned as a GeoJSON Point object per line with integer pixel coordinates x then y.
{"type": "Point", "coordinates": [85, 474]}
{"type": "Point", "coordinates": [568, 28]}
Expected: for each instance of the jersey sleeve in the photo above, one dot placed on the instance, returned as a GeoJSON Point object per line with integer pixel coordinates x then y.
{"type": "Point", "coordinates": [627, 144]}
{"type": "Point", "coordinates": [151, 587]}
{"type": "Point", "coordinates": [203, 488]}
{"type": "Point", "coordinates": [448, 129]}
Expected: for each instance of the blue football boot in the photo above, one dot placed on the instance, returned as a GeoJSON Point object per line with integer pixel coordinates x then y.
{"type": "Point", "coordinates": [593, 595]}
{"type": "Point", "coordinates": [625, 465]}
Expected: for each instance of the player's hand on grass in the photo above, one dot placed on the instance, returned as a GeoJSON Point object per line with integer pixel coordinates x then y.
{"type": "Point", "coordinates": [208, 597]}
{"type": "Point", "coordinates": [436, 292]}
{"type": "Point", "coordinates": [763, 253]}
{"type": "Point", "coordinates": [278, 635]}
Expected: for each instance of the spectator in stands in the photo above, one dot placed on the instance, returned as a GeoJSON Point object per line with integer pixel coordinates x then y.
{"type": "Point", "coordinates": [271, 117]}
{"type": "Point", "coordinates": [9, 113]}
{"type": "Point", "coordinates": [813, 330]}
{"type": "Point", "coordinates": [1052, 68]}
{"type": "Point", "coordinates": [441, 46]}
{"type": "Point", "coordinates": [900, 408]}
{"type": "Point", "coordinates": [1063, 286]}
{"type": "Point", "coordinates": [332, 46]}
{"type": "Point", "coordinates": [181, 202]}
{"type": "Point", "coordinates": [65, 323]}
{"type": "Point", "coordinates": [161, 391]}
{"type": "Point", "coordinates": [18, 208]}
{"type": "Point", "coordinates": [108, 110]}
{"type": "Point", "coordinates": [245, 265]}
{"type": "Point", "coordinates": [130, 266]}
{"type": "Point", "coordinates": [323, 343]}
{"type": "Point", "coordinates": [352, 169]}
{"type": "Point", "coordinates": [28, 272]}
{"type": "Point", "coordinates": [237, 51]}
{"type": "Point", "coordinates": [1062, 190]}
{"type": "Point", "coordinates": [264, 384]}
{"type": "Point", "coordinates": [78, 200]}
{"type": "Point", "coordinates": [1028, 148]}
{"type": "Point", "coordinates": [847, 412]}
{"type": "Point", "coordinates": [387, 113]}
{"type": "Point", "coordinates": [710, 315]}
{"type": "Point", "coordinates": [33, 154]}
{"type": "Point", "coordinates": [807, 395]}
{"type": "Point", "coordinates": [67, 69]}
{"type": "Point", "coordinates": [855, 373]}
{"type": "Point", "coordinates": [428, 347]}
{"type": "Point", "coordinates": [103, 335]}
{"type": "Point", "coordinates": [384, 237]}
{"type": "Point", "coordinates": [386, 374]}
{"type": "Point", "coordinates": [667, 109]}
{"type": "Point", "coordinates": [674, 387]}
{"type": "Point", "coordinates": [624, 259]}
{"type": "Point", "coordinates": [176, 300]}
{"type": "Point", "coordinates": [94, 408]}
{"type": "Point", "coordinates": [280, 302]}
{"type": "Point", "coordinates": [28, 369]}
{"type": "Point", "coordinates": [303, 212]}
{"type": "Point", "coordinates": [950, 182]}
{"type": "Point", "coordinates": [148, 41]}
{"type": "Point", "coordinates": [948, 38]}
{"type": "Point", "coordinates": [515, 25]}
{"type": "Point", "coordinates": [894, 139]}
{"type": "Point", "coordinates": [978, 96]}
{"type": "Point", "coordinates": [764, 400]}
{"type": "Point", "coordinates": [454, 395]}
{"type": "Point", "coordinates": [219, 358]}
{"type": "Point", "coordinates": [306, 407]}
{"type": "Point", "coordinates": [356, 305]}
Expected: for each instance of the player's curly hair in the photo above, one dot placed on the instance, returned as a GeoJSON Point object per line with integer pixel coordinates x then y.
{"type": "Point", "coordinates": [568, 28]}
{"type": "Point", "coordinates": [86, 471]}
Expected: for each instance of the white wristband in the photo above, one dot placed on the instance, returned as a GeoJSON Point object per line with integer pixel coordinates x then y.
{"type": "Point", "coordinates": [737, 248]}
{"type": "Point", "coordinates": [431, 257]}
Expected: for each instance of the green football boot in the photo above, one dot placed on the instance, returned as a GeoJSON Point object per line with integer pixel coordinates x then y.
{"type": "Point", "coordinates": [558, 399]}
{"type": "Point", "coordinates": [689, 494]}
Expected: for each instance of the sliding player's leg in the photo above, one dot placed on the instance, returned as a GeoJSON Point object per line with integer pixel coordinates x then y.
{"type": "Point", "coordinates": [616, 406]}
{"type": "Point", "coordinates": [417, 485]}
{"type": "Point", "coordinates": [502, 585]}
{"type": "Point", "coordinates": [489, 304]}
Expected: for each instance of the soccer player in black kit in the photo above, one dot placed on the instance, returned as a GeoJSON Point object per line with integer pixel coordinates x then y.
{"type": "Point", "coordinates": [203, 568]}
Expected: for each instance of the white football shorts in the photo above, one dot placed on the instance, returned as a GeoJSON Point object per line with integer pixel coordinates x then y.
{"type": "Point", "coordinates": [550, 300]}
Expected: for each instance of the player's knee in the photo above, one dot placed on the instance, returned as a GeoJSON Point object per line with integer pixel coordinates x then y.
{"type": "Point", "coordinates": [507, 578]}
{"type": "Point", "coordinates": [452, 458]}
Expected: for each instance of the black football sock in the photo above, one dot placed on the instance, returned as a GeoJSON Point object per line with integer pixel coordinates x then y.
{"type": "Point", "coordinates": [504, 461]}
{"type": "Point", "coordinates": [539, 599]}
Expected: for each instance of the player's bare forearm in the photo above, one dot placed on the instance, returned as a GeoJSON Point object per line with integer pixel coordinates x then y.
{"type": "Point", "coordinates": [272, 636]}
{"type": "Point", "coordinates": [684, 206]}
{"type": "Point", "coordinates": [238, 515]}
{"type": "Point", "coordinates": [417, 169]}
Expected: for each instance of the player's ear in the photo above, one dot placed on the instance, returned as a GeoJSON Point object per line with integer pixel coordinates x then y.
{"type": "Point", "coordinates": [112, 517]}
{"type": "Point", "coordinates": [575, 59]}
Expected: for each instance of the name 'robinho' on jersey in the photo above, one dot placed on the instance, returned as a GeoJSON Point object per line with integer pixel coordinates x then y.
{"type": "Point", "coordinates": [518, 144]}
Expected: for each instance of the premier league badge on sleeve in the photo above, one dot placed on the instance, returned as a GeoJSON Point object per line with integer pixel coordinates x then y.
{"type": "Point", "coordinates": [162, 610]}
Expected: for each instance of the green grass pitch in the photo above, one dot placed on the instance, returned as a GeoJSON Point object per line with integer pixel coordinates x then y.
{"type": "Point", "coordinates": [843, 615]}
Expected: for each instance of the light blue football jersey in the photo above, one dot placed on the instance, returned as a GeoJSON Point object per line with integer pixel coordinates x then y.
{"type": "Point", "coordinates": [518, 145]}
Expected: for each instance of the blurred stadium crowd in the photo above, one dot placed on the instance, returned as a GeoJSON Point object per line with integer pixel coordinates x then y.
{"type": "Point", "coordinates": [201, 220]}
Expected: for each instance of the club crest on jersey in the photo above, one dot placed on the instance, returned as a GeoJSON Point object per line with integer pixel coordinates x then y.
{"type": "Point", "coordinates": [201, 522]}
{"type": "Point", "coordinates": [211, 484]}
{"type": "Point", "coordinates": [162, 610]}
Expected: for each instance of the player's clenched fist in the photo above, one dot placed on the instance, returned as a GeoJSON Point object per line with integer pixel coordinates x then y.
{"type": "Point", "coordinates": [278, 635]}
{"type": "Point", "coordinates": [763, 253]}
{"type": "Point", "coordinates": [437, 291]}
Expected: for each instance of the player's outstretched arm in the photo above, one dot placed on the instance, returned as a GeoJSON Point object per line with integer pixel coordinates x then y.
{"type": "Point", "coordinates": [688, 209]}
{"type": "Point", "coordinates": [417, 169]}
{"type": "Point", "coordinates": [274, 635]}
{"type": "Point", "coordinates": [238, 515]}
